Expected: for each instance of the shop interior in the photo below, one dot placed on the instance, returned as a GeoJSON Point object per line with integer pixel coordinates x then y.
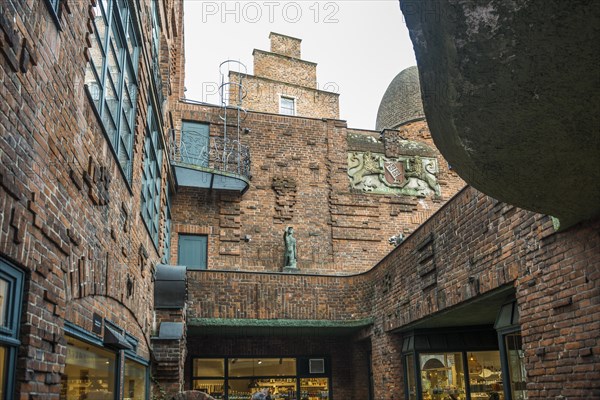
{"type": "Point", "coordinates": [472, 352]}
{"type": "Point", "coordinates": [239, 378]}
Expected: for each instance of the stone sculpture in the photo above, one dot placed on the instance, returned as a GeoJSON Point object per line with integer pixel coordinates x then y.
{"type": "Point", "coordinates": [290, 248]}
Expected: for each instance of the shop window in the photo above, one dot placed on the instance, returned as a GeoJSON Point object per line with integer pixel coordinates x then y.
{"type": "Point", "coordinates": [516, 366]}
{"type": "Point", "coordinates": [442, 376]}
{"type": "Point", "coordinates": [151, 176]}
{"type": "Point", "coordinates": [239, 378]}
{"type": "Point", "coordinates": [485, 375]}
{"type": "Point", "coordinates": [287, 105]}
{"type": "Point", "coordinates": [90, 372]}
{"type": "Point", "coordinates": [135, 380]}
{"type": "Point", "coordinates": [192, 251]}
{"type": "Point", "coordinates": [409, 373]}
{"type": "Point", "coordinates": [111, 76]}
{"type": "Point", "coordinates": [314, 388]}
{"type": "Point", "coordinates": [209, 376]}
{"type": "Point", "coordinates": [511, 349]}
{"type": "Point", "coordinates": [262, 367]}
{"type": "Point", "coordinates": [11, 292]}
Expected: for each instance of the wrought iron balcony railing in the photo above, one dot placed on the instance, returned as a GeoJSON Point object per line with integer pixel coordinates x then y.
{"type": "Point", "coordinates": [226, 158]}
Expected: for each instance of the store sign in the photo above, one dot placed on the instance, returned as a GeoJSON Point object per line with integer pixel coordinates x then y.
{"type": "Point", "coordinates": [97, 324]}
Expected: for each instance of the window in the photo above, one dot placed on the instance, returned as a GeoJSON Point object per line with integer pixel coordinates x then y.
{"type": "Point", "coordinates": [287, 105]}
{"type": "Point", "coordinates": [167, 233]}
{"type": "Point", "coordinates": [195, 143]}
{"type": "Point", "coordinates": [11, 292]}
{"type": "Point", "coordinates": [156, 51]}
{"type": "Point", "coordinates": [103, 368]}
{"type": "Point", "coordinates": [135, 380]}
{"type": "Point", "coordinates": [151, 176]}
{"type": "Point", "coordinates": [192, 251]}
{"type": "Point", "coordinates": [111, 76]}
{"type": "Point", "coordinates": [285, 377]}
{"type": "Point", "coordinates": [90, 372]}
{"type": "Point", "coordinates": [54, 8]}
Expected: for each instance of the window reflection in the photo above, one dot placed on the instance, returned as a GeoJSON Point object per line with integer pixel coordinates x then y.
{"type": "Point", "coordinates": [3, 362]}
{"type": "Point", "coordinates": [485, 375]}
{"type": "Point", "coordinates": [409, 370]}
{"type": "Point", "coordinates": [442, 376]}
{"type": "Point", "coordinates": [516, 366]}
{"type": "Point", "coordinates": [135, 381]}
{"type": "Point", "coordinates": [3, 303]}
{"type": "Point", "coordinates": [89, 372]}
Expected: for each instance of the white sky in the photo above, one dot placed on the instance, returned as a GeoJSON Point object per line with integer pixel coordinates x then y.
{"type": "Point", "coordinates": [359, 45]}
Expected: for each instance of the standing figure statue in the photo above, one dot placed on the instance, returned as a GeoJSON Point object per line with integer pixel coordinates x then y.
{"type": "Point", "coordinates": [290, 248]}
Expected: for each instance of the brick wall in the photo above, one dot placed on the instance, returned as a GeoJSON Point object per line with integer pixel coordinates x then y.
{"type": "Point", "coordinates": [67, 215]}
{"type": "Point", "coordinates": [286, 45]}
{"type": "Point", "coordinates": [300, 178]}
{"type": "Point", "coordinates": [281, 68]}
{"type": "Point", "coordinates": [263, 95]}
{"type": "Point", "coordinates": [470, 247]}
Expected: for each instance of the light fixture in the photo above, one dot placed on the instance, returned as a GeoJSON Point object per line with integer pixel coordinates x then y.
{"type": "Point", "coordinates": [259, 362]}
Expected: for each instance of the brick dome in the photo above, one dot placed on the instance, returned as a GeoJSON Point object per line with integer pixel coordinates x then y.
{"type": "Point", "coordinates": [401, 102]}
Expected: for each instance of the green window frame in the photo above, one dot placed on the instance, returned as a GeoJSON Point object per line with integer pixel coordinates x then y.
{"type": "Point", "coordinates": [167, 232]}
{"type": "Point", "coordinates": [111, 77]}
{"type": "Point", "coordinates": [11, 295]}
{"type": "Point", "coordinates": [192, 251]}
{"type": "Point", "coordinates": [126, 375]}
{"type": "Point", "coordinates": [151, 176]}
{"type": "Point", "coordinates": [54, 9]}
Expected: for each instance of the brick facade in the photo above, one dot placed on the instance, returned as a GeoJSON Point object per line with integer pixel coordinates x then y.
{"type": "Point", "coordinates": [479, 245]}
{"type": "Point", "coordinates": [71, 221]}
{"type": "Point", "coordinates": [300, 179]}
{"type": "Point", "coordinates": [281, 72]}
{"type": "Point", "coordinates": [69, 218]}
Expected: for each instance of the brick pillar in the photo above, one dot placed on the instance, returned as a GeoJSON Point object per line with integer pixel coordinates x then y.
{"type": "Point", "coordinates": [169, 357]}
{"type": "Point", "coordinates": [386, 363]}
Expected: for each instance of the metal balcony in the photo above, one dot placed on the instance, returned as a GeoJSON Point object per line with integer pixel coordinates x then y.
{"type": "Point", "coordinates": [210, 162]}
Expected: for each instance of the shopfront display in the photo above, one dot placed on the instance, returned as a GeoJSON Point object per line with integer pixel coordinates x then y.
{"type": "Point", "coordinates": [103, 367]}
{"type": "Point", "coordinates": [90, 372]}
{"type": "Point", "coordinates": [238, 378]}
{"type": "Point", "coordinates": [453, 364]}
{"type": "Point", "coordinates": [134, 381]}
{"type": "Point", "coordinates": [516, 367]}
{"type": "Point", "coordinates": [442, 376]}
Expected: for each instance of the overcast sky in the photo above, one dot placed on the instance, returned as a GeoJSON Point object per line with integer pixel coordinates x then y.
{"type": "Point", "coordinates": [359, 45]}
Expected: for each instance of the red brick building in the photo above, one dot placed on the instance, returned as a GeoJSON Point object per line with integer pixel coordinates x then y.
{"type": "Point", "coordinates": [109, 181]}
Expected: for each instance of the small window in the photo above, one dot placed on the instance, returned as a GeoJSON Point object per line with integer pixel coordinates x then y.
{"type": "Point", "coordinates": [192, 251]}
{"type": "Point", "coordinates": [287, 106]}
{"type": "Point", "coordinates": [11, 291]}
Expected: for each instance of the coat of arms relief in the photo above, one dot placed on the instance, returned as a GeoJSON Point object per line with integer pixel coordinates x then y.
{"type": "Point", "coordinates": [403, 175]}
